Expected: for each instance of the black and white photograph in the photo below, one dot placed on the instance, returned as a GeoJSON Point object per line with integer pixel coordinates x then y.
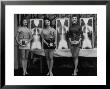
{"type": "Point", "coordinates": [55, 44]}
{"type": "Point", "coordinates": [47, 44]}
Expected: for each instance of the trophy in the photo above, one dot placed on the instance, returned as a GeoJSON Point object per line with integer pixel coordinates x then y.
{"type": "Point", "coordinates": [23, 38]}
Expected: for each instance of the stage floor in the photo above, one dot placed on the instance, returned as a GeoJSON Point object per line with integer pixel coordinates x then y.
{"type": "Point", "coordinates": [63, 67]}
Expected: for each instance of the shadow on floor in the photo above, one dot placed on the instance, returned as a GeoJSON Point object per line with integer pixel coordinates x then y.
{"type": "Point", "coordinates": [63, 66]}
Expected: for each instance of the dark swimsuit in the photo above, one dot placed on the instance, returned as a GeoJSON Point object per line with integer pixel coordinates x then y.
{"type": "Point", "coordinates": [75, 33]}
{"type": "Point", "coordinates": [51, 40]}
{"type": "Point", "coordinates": [49, 37]}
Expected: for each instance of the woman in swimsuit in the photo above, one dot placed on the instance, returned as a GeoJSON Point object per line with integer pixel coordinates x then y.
{"type": "Point", "coordinates": [23, 38]}
{"type": "Point", "coordinates": [48, 36]}
{"type": "Point", "coordinates": [75, 37]}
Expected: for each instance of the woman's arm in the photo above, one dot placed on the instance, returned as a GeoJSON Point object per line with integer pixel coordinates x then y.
{"type": "Point", "coordinates": [31, 36]}
{"type": "Point", "coordinates": [42, 36]}
{"type": "Point", "coordinates": [17, 38]}
{"type": "Point", "coordinates": [54, 32]}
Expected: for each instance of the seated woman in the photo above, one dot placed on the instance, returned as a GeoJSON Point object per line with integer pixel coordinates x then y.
{"type": "Point", "coordinates": [48, 37]}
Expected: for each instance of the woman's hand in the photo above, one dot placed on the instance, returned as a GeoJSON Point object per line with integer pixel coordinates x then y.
{"type": "Point", "coordinates": [45, 42]}
{"type": "Point", "coordinates": [74, 42]}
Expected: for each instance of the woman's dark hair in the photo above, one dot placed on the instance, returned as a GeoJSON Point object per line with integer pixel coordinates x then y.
{"type": "Point", "coordinates": [23, 20]}
{"type": "Point", "coordinates": [47, 19]}
{"type": "Point", "coordinates": [78, 19]}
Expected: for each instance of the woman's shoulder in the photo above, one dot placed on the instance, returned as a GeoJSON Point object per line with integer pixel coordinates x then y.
{"type": "Point", "coordinates": [20, 29]}
{"type": "Point", "coordinates": [44, 31]}
{"type": "Point", "coordinates": [53, 29]}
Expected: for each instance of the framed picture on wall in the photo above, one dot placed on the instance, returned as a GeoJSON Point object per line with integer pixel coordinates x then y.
{"type": "Point", "coordinates": [63, 41]}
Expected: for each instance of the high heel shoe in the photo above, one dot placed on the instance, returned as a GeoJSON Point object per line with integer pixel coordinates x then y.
{"type": "Point", "coordinates": [49, 74]}
{"type": "Point", "coordinates": [25, 73]}
{"type": "Point", "coordinates": [75, 73]}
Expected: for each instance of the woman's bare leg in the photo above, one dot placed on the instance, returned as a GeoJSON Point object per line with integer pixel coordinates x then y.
{"type": "Point", "coordinates": [75, 54]}
{"type": "Point", "coordinates": [47, 58]}
{"type": "Point", "coordinates": [76, 66]}
{"type": "Point", "coordinates": [24, 61]}
{"type": "Point", "coordinates": [26, 57]}
{"type": "Point", "coordinates": [51, 53]}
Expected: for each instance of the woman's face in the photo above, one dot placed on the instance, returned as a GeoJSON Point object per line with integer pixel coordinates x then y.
{"type": "Point", "coordinates": [47, 22]}
{"type": "Point", "coordinates": [74, 20]}
{"type": "Point", "coordinates": [24, 22]}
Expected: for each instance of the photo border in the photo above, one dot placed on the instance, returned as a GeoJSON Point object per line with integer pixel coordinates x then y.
{"type": "Point", "coordinates": [4, 3]}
